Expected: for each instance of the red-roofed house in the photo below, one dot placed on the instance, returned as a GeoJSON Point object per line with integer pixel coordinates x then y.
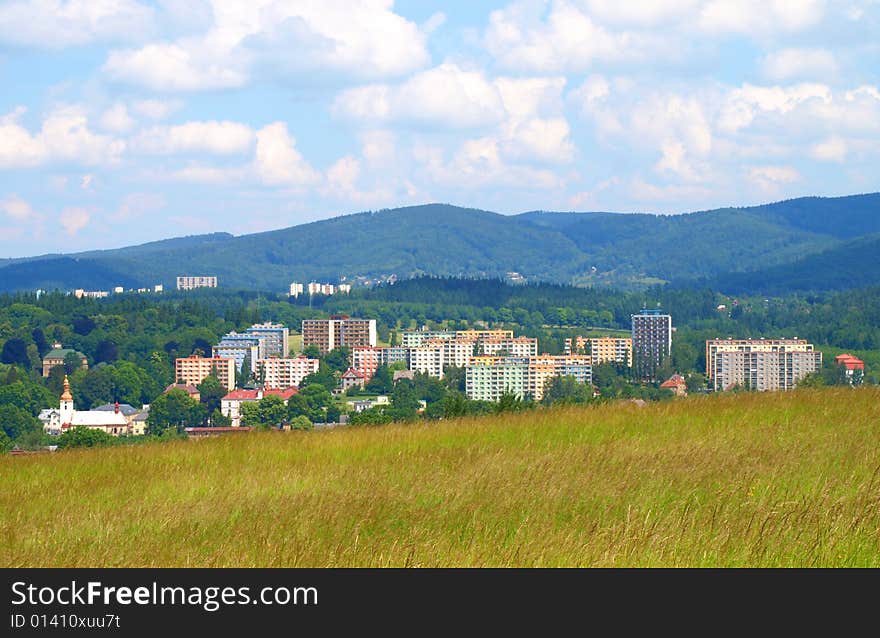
{"type": "Point", "coordinates": [230, 405]}
{"type": "Point", "coordinates": [677, 384]}
{"type": "Point", "coordinates": [191, 390]}
{"type": "Point", "coordinates": [353, 377]}
{"type": "Point", "coordinates": [854, 367]}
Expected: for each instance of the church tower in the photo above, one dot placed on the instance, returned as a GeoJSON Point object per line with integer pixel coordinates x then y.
{"type": "Point", "coordinates": [66, 403]}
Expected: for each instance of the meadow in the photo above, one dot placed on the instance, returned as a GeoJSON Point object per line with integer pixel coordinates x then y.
{"type": "Point", "coordinates": [784, 479]}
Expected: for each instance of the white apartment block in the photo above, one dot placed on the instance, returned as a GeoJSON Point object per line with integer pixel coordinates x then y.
{"type": "Point", "coordinates": [457, 353]}
{"type": "Point", "coordinates": [296, 289]}
{"type": "Point", "coordinates": [188, 282]}
{"type": "Point", "coordinates": [513, 347]}
{"type": "Point", "coordinates": [602, 349]}
{"type": "Point", "coordinates": [488, 378]}
{"type": "Point", "coordinates": [285, 372]}
{"type": "Point", "coordinates": [415, 338]}
{"type": "Point", "coordinates": [760, 364]}
{"type": "Point", "coordinates": [427, 360]}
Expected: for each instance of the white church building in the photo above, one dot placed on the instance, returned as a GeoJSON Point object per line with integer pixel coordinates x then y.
{"type": "Point", "coordinates": [56, 421]}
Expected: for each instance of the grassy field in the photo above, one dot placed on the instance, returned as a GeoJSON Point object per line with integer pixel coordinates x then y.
{"type": "Point", "coordinates": [790, 479]}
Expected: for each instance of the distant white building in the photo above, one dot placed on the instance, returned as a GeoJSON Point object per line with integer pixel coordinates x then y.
{"type": "Point", "coordinates": [188, 282]}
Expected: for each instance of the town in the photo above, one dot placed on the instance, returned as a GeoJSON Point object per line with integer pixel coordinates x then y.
{"type": "Point", "coordinates": [334, 371]}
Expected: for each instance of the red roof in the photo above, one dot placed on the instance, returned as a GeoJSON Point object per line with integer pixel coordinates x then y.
{"type": "Point", "coordinates": [254, 395]}
{"type": "Point", "coordinates": [284, 394]}
{"type": "Point", "coordinates": [352, 372]}
{"type": "Point", "coordinates": [242, 395]}
{"type": "Point", "coordinates": [674, 381]}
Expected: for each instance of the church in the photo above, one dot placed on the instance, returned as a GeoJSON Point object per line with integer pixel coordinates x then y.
{"type": "Point", "coordinates": [57, 421]}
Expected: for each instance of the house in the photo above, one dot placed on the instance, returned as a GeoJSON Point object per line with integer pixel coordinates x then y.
{"type": "Point", "coordinates": [403, 374]}
{"type": "Point", "coordinates": [353, 377]}
{"type": "Point", "coordinates": [191, 390]}
{"type": "Point", "coordinates": [677, 384]}
{"type": "Point", "coordinates": [55, 357]}
{"type": "Point", "coordinates": [230, 405]}
{"type": "Point", "coordinates": [854, 368]}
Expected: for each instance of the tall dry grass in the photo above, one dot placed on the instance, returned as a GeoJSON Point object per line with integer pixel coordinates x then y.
{"type": "Point", "coordinates": [789, 479]}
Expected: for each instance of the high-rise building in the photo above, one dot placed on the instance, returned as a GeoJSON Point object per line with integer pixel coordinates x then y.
{"type": "Point", "coordinates": [296, 289]}
{"type": "Point", "coordinates": [651, 343]}
{"type": "Point", "coordinates": [760, 364]}
{"type": "Point", "coordinates": [602, 349]}
{"type": "Point", "coordinates": [285, 372]}
{"type": "Point", "coordinates": [427, 359]}
{"type": "Point", "coordinates": [338, 331]}
{"type": "Point", "coordinates": [193, 370]}
{"type": "Point", "coordinates": [188, 282]}
{"type": "Point", "coordinates": [277, 338]}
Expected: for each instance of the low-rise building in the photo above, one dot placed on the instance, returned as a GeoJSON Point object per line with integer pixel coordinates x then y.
{"type": "Point", "coordinates": [191, 390]}
{"type": "Point", "coordinates": [230, 404]}
{"type": "Point", "coordinates": [353, 378]}
{"type": "Point", "coordinates": [190, 282]}
{"type": "Point", "coordinates": [57, 421]}
{"type": "Point", "coordinates": [56, 356]}
{"type": "Point", "coordinates": [677, 384]}
{"type": "Point", "coordinates": [854, 368]}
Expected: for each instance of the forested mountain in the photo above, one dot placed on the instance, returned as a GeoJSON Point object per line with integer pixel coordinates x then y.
{"type": "Point", "coordinates": [718, 247]}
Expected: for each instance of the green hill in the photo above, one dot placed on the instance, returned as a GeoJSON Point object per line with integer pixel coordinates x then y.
{"type": "Point", "coordinates": [744, 480]}
{"type": "Point", "coordinates": [583, 248]}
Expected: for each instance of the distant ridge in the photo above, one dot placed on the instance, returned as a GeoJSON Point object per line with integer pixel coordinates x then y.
{"type": "Point", "coordinates": [599, 248]}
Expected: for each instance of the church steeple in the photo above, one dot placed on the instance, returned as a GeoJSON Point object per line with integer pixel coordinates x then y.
{"type": "Point", "coordinates": [66, 396]}
{"type": "Point", "coordinates": [66, 403]}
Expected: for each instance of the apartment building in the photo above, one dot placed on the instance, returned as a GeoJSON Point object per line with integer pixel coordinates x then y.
{"type": "Point", "coordinates": [193, 370]}
{"type": "Point", "coordinates": [296, 289]}
{"type": "Point", "coordinates": [651, 342]}
{"type": "Point", "coordinates": [602, 349]}
{"type": "Point", "coordinates": [367, 359]}
{"type": "Point", "coordinates": [415, 338]}
{"type": "Point", "coordinates": [188, 282]}
{"type": "Point", "coordinates": [545, 367]}
{"type": "Point", "coordinates": [760, 364]}
{"type": "Point", "coordinates": [509, 346]}
{"type": "Point", "coordinates": [427, 359]}
{"type": "Point", "coordinates": [276, 336]}
{"type": "Point", "coordinates": [487, 378]}
{"type": "Point", "coordinates": [338, 331]}
{"type": "Point", "coordinates": [456, 352]}
{"type": "Point", "coordinates": [285, 372]}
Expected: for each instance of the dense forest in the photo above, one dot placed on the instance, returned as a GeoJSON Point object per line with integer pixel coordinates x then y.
{"type": "Point", "coordinates": [131, 340]}
{"type": "Point", "coordinates": [608, 249]}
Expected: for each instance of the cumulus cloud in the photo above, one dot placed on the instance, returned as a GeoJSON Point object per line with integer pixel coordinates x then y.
{"type": "Point", "coordinates": [526, 36]}
{"type": "Point", "coordinates": [221, 138]}
{"type": "Point", "coordinates": [761, 16]}
{"type": "Point", "coordinates": [799, 63]}
{"type": "Point", "coordinates": [830, 150]}
{"type": "Point", "coordinates": [61, 23]}
{"type": "Point", "coordinates": [117, 119]}
{"type": "Point", "coordinates": [156, 109]}
{"type": "Point", "coordinates": [277, 160]}
{"type": "Point", "coordinates": [378, 146]}
{"type": "Point", "coordinates": [16, 208]}
{"type": "Point", "coordinates": [364, 38]}
{"type": "Point", "coordinates": [770, 178]}
{"type": "Point", "coordinates": [73, 219]}
{"type": "Point", "coordinates": [63, 137]}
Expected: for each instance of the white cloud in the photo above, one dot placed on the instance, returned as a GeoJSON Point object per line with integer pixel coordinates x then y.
{"type": "Point", "coordinates": [761, 16]}
{"type": "Point", "coordinates": [221, 138]}
{"type": "Point", "coordinates": [277, 160]}
{"type": "Point", "coordinates": [642, 12]}
{"type": "Point", "coordinates": [61, 23]}
{"type": "Point", "coordinates": [117, 119]}
{"type": "Point", "coordinates": [64, 136]}
{"type": "Point", "coordinates": [16, 208]}
{"type": "Point", "coordinates": [199, 174]}
{"type": "Point", "coordinates": [745, 103]}
{"type": "Point", "coordinates": [74, 219]}
{"type": "Point", "coordinates": [378, 147]}
{"type": "Point", "coordinates": [191, 65]}
{"type": "Point", "coordinates": [770, 179]}
{"type": "Point", "coordinates": [364, 38]}
{"type": "Point", "coordinates": [156, 109]}
{"type": "Point", "coordinates": [447, 95]}
{"type": "Point", "coordinates": [344, 173]}
{"type": "Point", "coordinates": [86, 182]}
{"type": "Point", "coordinates": [524, 36]}
{"type": "Point", "coordinates": [799, 63]}
{"type": "Point", "coordinates": [546, 140]}
{"type": "Point", "coordinates": [831, 150]}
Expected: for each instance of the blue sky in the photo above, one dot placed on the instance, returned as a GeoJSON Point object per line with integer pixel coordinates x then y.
{"type": "Point", "coordinates": [125, 121]}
